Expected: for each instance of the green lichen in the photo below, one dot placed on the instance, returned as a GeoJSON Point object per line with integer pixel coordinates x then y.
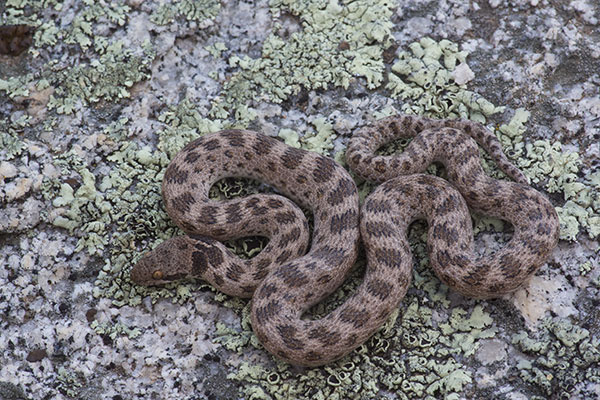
{"type": "Point", "coordinates": [560, 356]}
{"type": "Point", "coordinates": [338, 41]}
{"type": "Point", "coordinates": [16, 86]}
{"type": "Point", "coordinates": [424, 78]}
{"type": "Point", "coordinates": [123, 210]}
{"type": "Point", "coordinates": [410, 356]}
{"type": "Point", "coordinates": [117, 216]}
{"type": "Point", "coordinates": [69, 383]}
{"type": "Point", "coordinates": [321, 141]}
{"type": "Point", "coordinates": [81, 29]}
{"type": "Point", "coordinates": [114, 330]}
{"type": "Point", "coordinates": [582, 208]}
{"type": "Point", "coordinates": [585, 268]}
{"type": "Point", "coordinates": [184, 123]}
{"type": "Point", "coordinates": [216, 49]}
{"type": "Point", "coordinates": [290, 137]}
{"type": "Point", "coordinates": [230, 338]}
{"type": "Point", "coordinates": [107, 78]}
{"type": "Point", "coordinates": [14, 11]}
{"type": "Point", "coordinates": [114, 214]}
{"type": "Point", "coordinates": [414, 339]}
{"type": "Point", "coordinates": [191, 10]}
{"type": "Point", "coordinates": [545, 162]}
{"type": "Point", "coordinates": [10, 145]}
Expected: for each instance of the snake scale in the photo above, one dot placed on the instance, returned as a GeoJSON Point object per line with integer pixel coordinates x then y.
{"type": "Point", "coordinates": [295, 272]}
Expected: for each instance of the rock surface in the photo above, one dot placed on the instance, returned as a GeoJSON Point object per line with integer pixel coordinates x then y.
{"type": "Point", "coordinates": [92, 112]}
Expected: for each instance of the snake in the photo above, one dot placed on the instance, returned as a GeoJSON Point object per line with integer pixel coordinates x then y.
{"type": "Point", "coordinates": [298, 268]}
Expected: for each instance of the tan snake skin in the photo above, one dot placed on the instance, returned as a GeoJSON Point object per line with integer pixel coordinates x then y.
{"type": "Point", "coordinates": [284, 280]}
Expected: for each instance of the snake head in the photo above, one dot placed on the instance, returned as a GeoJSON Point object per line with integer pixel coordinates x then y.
{"type": "Point", "coordinates": [165, 264]}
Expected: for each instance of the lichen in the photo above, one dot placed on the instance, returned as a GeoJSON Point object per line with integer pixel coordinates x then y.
{"type": "Point", "coordinates": [81, 29]}
{"type": "Point", "coordinates": [16, 86]}
{"type": "Point", "coordinates": [290, 137]}
{"type": "Point", "coordinates": [585, 268]}
{"type": "Point", "coordinates": [545, 162]}
{"type": "Point", "coordinates": [114, 330]}
{"type": "Point", "coordinates": [414, 339]}
{"type": "Point", "coordinates": [10, 145]}
{"type": "Point", "coordinates": [112, 214]}
{"type": "Point", "coordinates": [216, 49]}
{"type": "Point", "coordinates": [560, 355]}
{"type": "Point", "coordinates": [69, 383]}
{"type": "Point", "coordinates": [203, 11]}
{"type": "Point", "coordinates": [424, 77]}
{"type": "Point", "coordinates": [115, 210]}
{"type": "Point", "coordinates": [410, 356]}
{"type": "Point", "coordinates": [184, 123]}
{"type": "Point", "coordinates": [321, 141]}
{"type": "Point", "coordinates": [108, 77]}
{"type": "Point", "coordinates": [338, 41]}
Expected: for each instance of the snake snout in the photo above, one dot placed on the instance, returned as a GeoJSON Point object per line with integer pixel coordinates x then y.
{"type": "Point", "coordinates": [141, 273]}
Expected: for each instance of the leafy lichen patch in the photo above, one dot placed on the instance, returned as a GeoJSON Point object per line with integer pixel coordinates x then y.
{"type": "Point", "coordinates": [559, 357]}
{"type": "Point", "coordinates": [202, 11]}
{"type": "Point", "coordinates": [337, 42]}
{"type": "Point", "coordinates": [426, 76]}
{"type": "Point", "coordinates": [107, 78]}
{"type": "Point", "coordinates": [546, 162]}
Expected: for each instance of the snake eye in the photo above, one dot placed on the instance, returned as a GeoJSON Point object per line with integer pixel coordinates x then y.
{"type": "Point", "coordinates": [158, 274]}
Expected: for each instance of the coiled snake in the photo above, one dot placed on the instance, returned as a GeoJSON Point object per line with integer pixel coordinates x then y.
{"type": "Point", "coordinates": [290, 275]}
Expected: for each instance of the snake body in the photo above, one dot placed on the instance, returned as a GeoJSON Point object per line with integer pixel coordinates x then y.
{"type": "Point", "coordinates": [285, 279]}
